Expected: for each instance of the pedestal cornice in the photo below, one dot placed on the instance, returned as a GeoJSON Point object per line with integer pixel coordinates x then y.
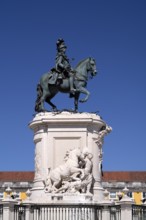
{"type": "Point", "coordinates": [66, 118]}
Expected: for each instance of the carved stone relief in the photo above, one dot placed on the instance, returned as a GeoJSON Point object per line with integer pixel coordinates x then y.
{"type": "Point", "coordinates": [37, 164]}
{"type": "Point", "coordinates": [99, 142]}
{"type": "Point", "coordinates": [74, 175]}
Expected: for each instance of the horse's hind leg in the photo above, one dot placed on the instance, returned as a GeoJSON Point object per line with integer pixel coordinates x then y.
{"type": "Point", "coordinates": [52, 105]}
{"type": "Point", "coordinates": [51, 92]}
{"type": "Point", "coordinates": [42, 100]}
{"type": "Point", "coordinates": [46, 97]}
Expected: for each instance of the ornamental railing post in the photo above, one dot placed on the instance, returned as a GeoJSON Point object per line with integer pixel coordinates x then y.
{"type": "Point", "coordinates": [106, 212]}
{"type": "Point", "coordinates": [126, 205]}
{"type": "Point", "coordinates": [8, 209]}
{"type": "Point", "coordinates": [28, 213]}
{"type": "Point", "coordinates": [27, 203]}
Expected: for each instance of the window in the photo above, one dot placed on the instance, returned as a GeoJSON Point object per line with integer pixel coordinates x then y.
{"type": "Point", "coordinates": [130, 194]}
{"type": "Point", "coordinates": [143, 195]}
{"type": "Point", "coordinates": [1, 195]}
{"type": "Point", "coordinates": [112, 195]}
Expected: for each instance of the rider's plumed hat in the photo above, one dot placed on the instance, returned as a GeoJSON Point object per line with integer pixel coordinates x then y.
{"type": "Point", "coordinates": [60, 43]}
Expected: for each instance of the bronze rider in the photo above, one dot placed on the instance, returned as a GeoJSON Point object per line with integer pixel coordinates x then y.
{"type": "Point", "coordinates": [62, 64]}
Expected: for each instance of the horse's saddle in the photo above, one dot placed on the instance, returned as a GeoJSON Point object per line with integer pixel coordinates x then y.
{"type": "Point", "coordinates": [53, 76]}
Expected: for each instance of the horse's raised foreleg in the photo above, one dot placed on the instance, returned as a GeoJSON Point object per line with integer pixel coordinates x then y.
{"type": "Point", "coordinates": [77, 170]}
{"type": "Point", "coordinates": [86, 92]}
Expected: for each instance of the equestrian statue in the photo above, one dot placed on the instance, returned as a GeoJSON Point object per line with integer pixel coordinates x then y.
{"type": "Point", "coordinates": [63, 78]}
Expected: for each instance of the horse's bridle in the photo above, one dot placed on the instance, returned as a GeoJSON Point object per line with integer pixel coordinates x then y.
{"type": "Point", "coordinates": [90, 68]}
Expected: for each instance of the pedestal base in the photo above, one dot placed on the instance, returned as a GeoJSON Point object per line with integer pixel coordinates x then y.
{"type": "Point", "coordinates": [54, 135]}
{"type": "Point", "coordinates": [50, 198]}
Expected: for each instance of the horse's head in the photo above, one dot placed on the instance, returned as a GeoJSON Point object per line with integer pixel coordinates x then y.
{"type": "Point", "coordinates": [91, 66]}
{"type": "Point", "coordinates": [76, 152]}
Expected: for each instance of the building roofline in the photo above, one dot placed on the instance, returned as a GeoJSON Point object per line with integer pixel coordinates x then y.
{"type": "Point", "coordinates": [108, 176]}
{"type": "Point", "coordinates": [124, 176]}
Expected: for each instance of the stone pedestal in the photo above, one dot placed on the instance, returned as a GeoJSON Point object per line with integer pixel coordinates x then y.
{"type": "Point", "coordinates": [54, 134]}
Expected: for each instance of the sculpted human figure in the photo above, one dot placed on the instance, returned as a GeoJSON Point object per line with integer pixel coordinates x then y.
{"type": "Point", "coordinates": [63, 65]}
{"type": "Point", "coordinates": [71, 187]}
{"type": "Point", "coordinates": [88, 177]}
{"type": "Point", "coordinates": [66, 157]}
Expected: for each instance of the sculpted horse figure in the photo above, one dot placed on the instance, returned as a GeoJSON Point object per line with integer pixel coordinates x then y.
{"type": "Point", "coordinates": [47, 90]}
{"type": "Point", "coordinates": [67, 170]}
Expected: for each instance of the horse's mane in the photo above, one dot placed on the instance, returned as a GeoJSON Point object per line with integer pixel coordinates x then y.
{"type": "Point", "coordinates": [82, 61]}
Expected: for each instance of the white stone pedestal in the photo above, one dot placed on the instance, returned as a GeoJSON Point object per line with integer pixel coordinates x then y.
{"type": "Point", "coordinates": [55, 133]}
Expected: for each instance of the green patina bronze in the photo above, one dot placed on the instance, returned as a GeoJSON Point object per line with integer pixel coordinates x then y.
{"type": "Point", "coordinates": [64, 79]}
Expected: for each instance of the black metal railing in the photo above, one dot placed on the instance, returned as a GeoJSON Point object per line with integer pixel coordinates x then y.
{"type": "Point", "coordinates": [138, 212]}
{"type": "Point", "coordinates": [115, 212]}
{"type": "Point", "coordinates": [19, 212]}
{"type": "Point", "coordinates": [67, 212]}
{"type": "Point", "coordinates": [1, 212]}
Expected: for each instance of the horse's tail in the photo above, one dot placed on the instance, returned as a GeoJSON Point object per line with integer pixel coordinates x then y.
{"type": "Point", "coordinates": [39, 95]}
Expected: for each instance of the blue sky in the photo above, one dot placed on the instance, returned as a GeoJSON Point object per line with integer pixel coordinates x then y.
{"type": "Point", "coordinates": [114, 33]}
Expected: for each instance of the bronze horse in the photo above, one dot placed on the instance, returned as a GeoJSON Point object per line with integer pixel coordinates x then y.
{"type": "Point", "coordinates": [46, 91]}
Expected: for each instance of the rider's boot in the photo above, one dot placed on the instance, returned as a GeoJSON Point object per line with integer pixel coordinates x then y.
{"type": "Point", "coordinates": [59, 79]}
